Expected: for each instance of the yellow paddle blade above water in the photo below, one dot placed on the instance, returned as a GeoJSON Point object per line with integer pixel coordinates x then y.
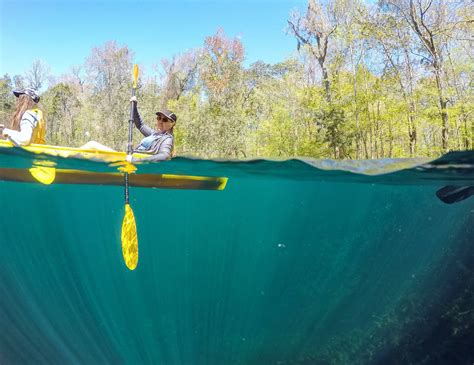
{"type": "Point", "coordinates": [44, 175]}
{"type": "Point", "coordinates": [129, 239]}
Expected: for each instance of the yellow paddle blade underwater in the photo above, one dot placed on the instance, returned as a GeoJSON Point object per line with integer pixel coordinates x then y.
{"type": "Point", "coordinates": [44, 175]}
{"type": "Point", "coordinates": [129, 239]}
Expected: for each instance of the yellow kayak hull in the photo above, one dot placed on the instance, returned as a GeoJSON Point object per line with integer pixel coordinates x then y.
{"type": "Point", "coordinates": [50, 175]}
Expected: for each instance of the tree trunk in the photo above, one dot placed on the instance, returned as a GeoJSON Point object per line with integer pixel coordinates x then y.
{"type": "Point", "coordinates": [326, 82]}
{"type": "Point", "coordinates": [443, 109]}
{"type": "Point", "coordinates": [356, 107]}
{"type": "Point", "coordinates": [468, 135]}
{"type": "Point", "coordinates": [366, 150]}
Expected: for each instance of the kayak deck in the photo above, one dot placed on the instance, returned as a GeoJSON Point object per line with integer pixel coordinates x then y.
{"type": "Point", "coordinates": [106, 156]}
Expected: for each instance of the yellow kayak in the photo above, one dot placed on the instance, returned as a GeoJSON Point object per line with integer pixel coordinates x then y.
{"type": "Point", "coordinates": [48, 174]}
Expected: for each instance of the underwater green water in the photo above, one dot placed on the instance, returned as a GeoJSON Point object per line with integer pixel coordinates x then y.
{"type": "Point", "coordinates": [290, 264]}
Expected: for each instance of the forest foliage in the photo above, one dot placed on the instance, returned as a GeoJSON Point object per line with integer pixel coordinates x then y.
{"type": "Point", "coordinates": [394, 79]}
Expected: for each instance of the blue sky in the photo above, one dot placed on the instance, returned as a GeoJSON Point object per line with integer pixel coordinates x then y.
{"type": "Point", "coordinates": [62, 32]}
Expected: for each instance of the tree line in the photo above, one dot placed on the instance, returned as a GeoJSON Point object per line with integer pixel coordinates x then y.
{"type": "Point", "coordinates": [394, 79]}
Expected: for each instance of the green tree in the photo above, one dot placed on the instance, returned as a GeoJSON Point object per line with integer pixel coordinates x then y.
{"type": "Point", "coordinates": [7, 100]}
{"type": "Point", "coordinates": [433, 23]}
{"type": "Point", "coordinates": [108, 69]}
{"type": "Point", "coordinates": [221, 74]}
{"type": "Point", "coordinates": [62, 115]}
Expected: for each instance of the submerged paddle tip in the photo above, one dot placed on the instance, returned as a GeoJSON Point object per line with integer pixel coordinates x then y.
{"type": "Point", "coordinates": [129, 239]}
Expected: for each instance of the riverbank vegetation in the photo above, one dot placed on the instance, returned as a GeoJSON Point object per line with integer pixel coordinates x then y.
{"type": "Point", "coordinates": [393, 79]}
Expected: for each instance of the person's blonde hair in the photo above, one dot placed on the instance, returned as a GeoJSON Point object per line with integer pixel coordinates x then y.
{"type": "Point", "coordinates": [24, 103]}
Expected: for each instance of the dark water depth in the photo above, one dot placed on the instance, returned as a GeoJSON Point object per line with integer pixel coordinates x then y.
{"type": "Point", "coordinates": [295, 262]}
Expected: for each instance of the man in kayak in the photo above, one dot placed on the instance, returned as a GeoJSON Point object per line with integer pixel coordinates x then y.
{"type": "Point", "coordinates": [158, 142]}
{"type": "Point", "coordinates": [27, 124]}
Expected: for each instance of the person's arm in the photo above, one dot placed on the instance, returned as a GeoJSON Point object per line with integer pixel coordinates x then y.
{"type": "Point", "coordinates": [23, 136]}
{"type": "Point", "coordinates": [137, 119]}
{"type": "Point", "coordinates": [164, 153]}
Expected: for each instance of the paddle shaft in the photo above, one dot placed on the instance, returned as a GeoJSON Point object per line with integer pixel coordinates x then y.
{"type": "Point", "coordinates": [126, 188]}
{"type": "Point", "coordinates": [129, 228]}
{"type": "Point", "coordinates": [130, 127]}
{"type": "Point", "coordinates": [130, 140]}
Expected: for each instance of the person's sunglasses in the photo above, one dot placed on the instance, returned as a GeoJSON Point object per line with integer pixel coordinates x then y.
{"type": "Point", "coordinates": [163, 119]}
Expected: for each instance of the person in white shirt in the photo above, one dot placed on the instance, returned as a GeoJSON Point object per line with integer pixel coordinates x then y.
{"type": "Point", "coordinates": [27, 124]}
